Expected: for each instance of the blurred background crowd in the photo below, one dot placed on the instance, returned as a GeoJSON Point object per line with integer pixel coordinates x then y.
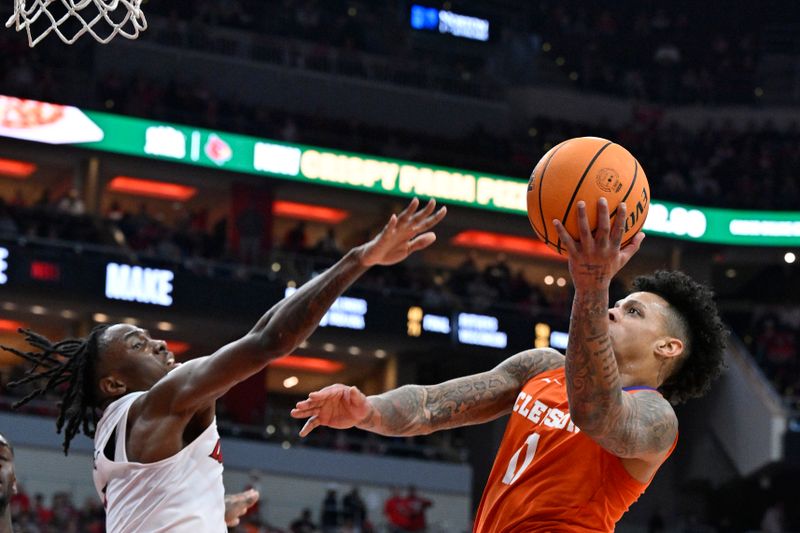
{"type": "Point", "coordinates": [654, 56]}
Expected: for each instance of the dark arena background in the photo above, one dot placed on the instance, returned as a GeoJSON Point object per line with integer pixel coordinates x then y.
{"type": "Point", "coordinates": [187, 180]}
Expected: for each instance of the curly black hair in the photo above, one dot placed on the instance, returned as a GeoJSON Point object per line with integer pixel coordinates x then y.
{"type": "Point", "coordinates": [697, 319]}
{"type": "Point", "coordinates": [67, 366]}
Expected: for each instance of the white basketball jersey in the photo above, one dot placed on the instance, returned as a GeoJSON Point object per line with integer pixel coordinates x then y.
{"type": "Point", "coordinates": [179, 494]}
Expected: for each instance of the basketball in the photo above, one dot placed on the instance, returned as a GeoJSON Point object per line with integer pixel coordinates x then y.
{"type": "Point", "coordinates": [585, 168]}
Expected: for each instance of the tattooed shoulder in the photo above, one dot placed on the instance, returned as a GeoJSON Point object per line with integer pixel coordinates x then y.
{"type": "Point", "coordinates": [656, 421]}
{"type": "Point", "coordinates": [646, 426]}
{"type": "Point", "coordinates": [525, 365]}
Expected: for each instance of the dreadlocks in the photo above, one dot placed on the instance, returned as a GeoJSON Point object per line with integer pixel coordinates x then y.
{"type": "Point", "coordinates": [71, 361]}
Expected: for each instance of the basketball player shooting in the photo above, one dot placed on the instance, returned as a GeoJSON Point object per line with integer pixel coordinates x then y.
{"type": "Point", "coordinates": [157, 457]}
{"type": "Point", "coordinates": [588, 431]}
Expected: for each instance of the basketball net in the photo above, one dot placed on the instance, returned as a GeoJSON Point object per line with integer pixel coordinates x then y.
{"type": "Point", "coordinates": [69, 19]}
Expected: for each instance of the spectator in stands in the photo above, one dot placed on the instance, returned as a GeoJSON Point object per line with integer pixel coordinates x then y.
{"type": "Point", "coordinates": [8, 484]}
{"type": "Point", "coordinates": [167, 247]}
{"type": "Point", "coordinates": [464, 274]}
{"type": "Point", "coordinates": [327, 245]}
{"type": "Point", "coordinates": [8, 227]}
{"type": "Point", "coordinates": [303, 524]}
{"type": "Point", "coordinates": [480, 295]}
{"type": "Point", "coordinates": [354, 509]}
{"type": "Point", "coordinates": [416, 508]}
{"type": "Point", "coordinates": [43, 513]}
{"type": "Point", "coordinates": [250, 225]}
{"type": "Point", "coordinates": [92, 516]}
{"type": "Point", "coordinates": [777, 351]}
{"type": "Point", "coordinates": [295, 240]}
{"type": "Point", "coordinates": [329, 517]}
{"type": "Point", "coordinates": [198, 220]}
{"type": "Point", "coordinates": [396, 512]}
{"type": "Point", "coordinates": [20, 502]}
{"type": "Point", "coordinates": [71, 204]}
{"type": "Point", "coordinates": [44, 201]}
{"type": "Point", "coordinates": [437, 294]}
{"type": "Point", "coordinates": [349, 527]}
{"type": "Point", "coordinates": [115, 212]}
{"type": "Point", "coordinates": [498, 276]}
{"type": "Point", "coordinates": [139, 228]}
{"type": "Point", "coordinates": [217, 241]}
{"type": "Point", "coordinates": [64, 510]}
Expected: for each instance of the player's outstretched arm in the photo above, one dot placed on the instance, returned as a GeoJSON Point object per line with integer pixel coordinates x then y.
{"type": "Point", "coordinates": [640, 426]}
{"type": "Point", "coordinates": [419, 410]}
{"type": "Point", "coordinates": [288, 323]}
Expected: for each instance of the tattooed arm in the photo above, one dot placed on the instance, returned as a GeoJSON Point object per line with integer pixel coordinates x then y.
{"type": "Point", "coordinates": [419, 410]}
{"type": "Point", "coordinates": [632, 426]}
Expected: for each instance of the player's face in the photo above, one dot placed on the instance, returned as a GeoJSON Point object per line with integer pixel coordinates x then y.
{"type": "Point", "coordinates": [636, 324]}
{"type": "Point", "coordinates": [8, 480]}
{"type": "Point", "coordinates": [133, 358]}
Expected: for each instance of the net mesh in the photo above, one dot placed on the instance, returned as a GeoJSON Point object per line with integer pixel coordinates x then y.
{"type": "Point", "coordinates": [70, 19]}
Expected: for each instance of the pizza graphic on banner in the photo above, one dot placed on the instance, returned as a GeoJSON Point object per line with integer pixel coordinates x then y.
{"type": "Point", "coordinates": [217, 150]}
{"type": "Point", "coordinates": [32, 120]}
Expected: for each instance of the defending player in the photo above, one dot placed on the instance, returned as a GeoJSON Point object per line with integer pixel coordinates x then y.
{"type": "Point", "coordinates": [236, 505]}
{"type": "Point", "coordinates": [157, 458]}
{"type": "Point", "coordinates": [8, 484]}
{"type": "Point", "coordinates": [588, 431]}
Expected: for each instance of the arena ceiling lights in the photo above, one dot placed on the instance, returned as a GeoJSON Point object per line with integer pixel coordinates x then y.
{"type": "Point", "coordinates": [178, 347]}
{"type": "Point", "coordinates": [153, 189]}
{"type": "Point", "coordinates": [499, 242]}
{"type": "Point", "coordinates": [309, 364]}
{"type": "Point", "coordinates": [11, 325]}
{"type": "Point", "coordinates": [314, 213]}
{"type": "Point", "coordinates": [10, 168]}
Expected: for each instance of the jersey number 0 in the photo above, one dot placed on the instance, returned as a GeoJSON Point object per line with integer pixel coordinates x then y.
{"type": "Point", "coordinates": [512, 472]}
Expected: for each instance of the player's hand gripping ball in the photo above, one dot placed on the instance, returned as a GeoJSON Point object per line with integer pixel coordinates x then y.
{"type": "Point", "coordinates": [586, 168]}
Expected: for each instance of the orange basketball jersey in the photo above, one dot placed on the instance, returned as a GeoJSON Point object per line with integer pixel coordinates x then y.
{"type": "Point", "coordinates": [548, 476]}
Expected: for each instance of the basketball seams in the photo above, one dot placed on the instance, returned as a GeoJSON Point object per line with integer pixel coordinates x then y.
{"type": "Point", "coordinates": [541, 238]}
{"type": "Point", "coordinates": [633, 183]}
{"type": "Point", "coordinates": [538, 234]}
{"type": "Point", "coordinates": [545, 238]}
{"type": "Point", "coordinates": [578, 186]}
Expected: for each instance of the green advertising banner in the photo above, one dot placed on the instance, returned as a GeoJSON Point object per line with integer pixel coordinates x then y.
{"type": "Point", "coordinates": [310, 164]}
{"type": "Point", "coordinates": [724, 226]}
{"type": "Point", "coordinates": [229, 151]}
